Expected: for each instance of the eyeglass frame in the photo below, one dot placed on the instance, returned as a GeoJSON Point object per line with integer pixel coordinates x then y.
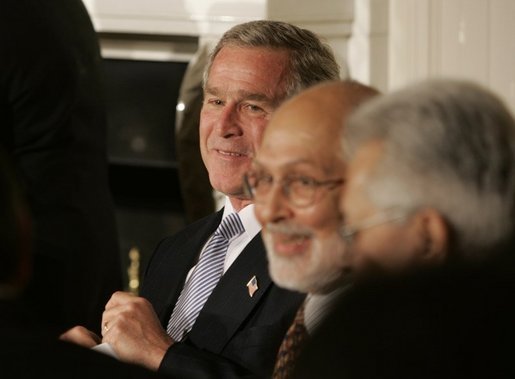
{"type": "Point", "coordinates": [348, 232]}
{"type": "Point", "coordinates": [285, 187]}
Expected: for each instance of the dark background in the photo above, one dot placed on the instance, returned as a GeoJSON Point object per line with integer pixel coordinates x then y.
{"type": "Point", "coordinates": [141, 97]}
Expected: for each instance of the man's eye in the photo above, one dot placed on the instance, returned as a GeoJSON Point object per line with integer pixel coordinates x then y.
{"type": "Point", "coordinates": [302, 181]}
{"type": "Point", "coordinates": [264, 179]}
{"type": "Point", "coordinates": [215, 102]}
{"type": "Point", "coordinates": [253, 108]}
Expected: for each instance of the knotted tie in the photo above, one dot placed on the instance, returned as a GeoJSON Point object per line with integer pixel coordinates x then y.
{"type": "Point", "coordinates": [204, 278]}
{"type": "Point", "coordinates": [291, 347]}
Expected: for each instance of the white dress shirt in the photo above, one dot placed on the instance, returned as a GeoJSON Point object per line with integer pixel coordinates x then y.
{"type": "Point", "coordinates": [236, 246]}
{"type": "Point", "coordinates": [251, 225]}
{"type": "Point", "coordinates": [318, 306]}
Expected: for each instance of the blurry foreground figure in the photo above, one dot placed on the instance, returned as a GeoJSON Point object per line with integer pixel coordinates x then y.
{"type": "Point", "coordinates": [295, 181]}
{"type": "Point", "coordinates": [439, 322]}
{"type": "Point", "coordinates": [431, 177]}
{"type": "Point", "coordinates": [429, 224]}
{"type": "Point", "coordinates": [29, 349]}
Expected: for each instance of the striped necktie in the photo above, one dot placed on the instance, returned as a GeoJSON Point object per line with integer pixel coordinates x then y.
{"type": "Point", "coordinates": [204, 278]}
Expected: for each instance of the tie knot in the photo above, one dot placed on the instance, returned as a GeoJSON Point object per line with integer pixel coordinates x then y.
{"type": "Point", "coordinates": [230, 227]}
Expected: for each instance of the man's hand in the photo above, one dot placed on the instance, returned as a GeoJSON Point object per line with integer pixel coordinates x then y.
{"type": "Point", "coordinates": [81, 336]}
{"type": "Point", "coordinates": [130, 325]}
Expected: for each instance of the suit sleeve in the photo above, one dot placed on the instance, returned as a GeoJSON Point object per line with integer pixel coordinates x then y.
{"type": "Point", "coordinates": [185, 361]}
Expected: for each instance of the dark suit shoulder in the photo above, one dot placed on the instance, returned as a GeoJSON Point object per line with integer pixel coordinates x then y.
{"type": "Point", "coordinates": [190, 236]}
{"type": "Point", "coordinates": [172, 259]}
{"type": "Point", "coordinates": [205, 226]}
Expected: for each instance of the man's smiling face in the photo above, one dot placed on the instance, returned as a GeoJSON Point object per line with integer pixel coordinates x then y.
{"type": "Point", "coordinates": [301, 146]}
{"type": "Point", "coordinates": [244, 87]}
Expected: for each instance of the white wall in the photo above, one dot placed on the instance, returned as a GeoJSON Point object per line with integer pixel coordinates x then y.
{"type": "Point", "coordinates": [472, 39]}
{"type": "Point", "coordinates": [172, 17]}
{"type": "Point", "coordinates": [368, 44]}
{"type": "Point", "coordinates": [386, 43]}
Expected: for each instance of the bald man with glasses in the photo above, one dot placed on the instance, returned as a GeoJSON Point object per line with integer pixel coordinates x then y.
{"type": "Point", "coordinates": [295, 183]}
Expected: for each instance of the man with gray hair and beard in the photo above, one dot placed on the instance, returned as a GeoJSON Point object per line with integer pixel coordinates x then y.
{"type": "Point", "coordinates": [431, 178]}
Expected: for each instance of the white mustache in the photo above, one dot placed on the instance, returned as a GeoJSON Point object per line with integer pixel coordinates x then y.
{"type": "Point", "coordinates": [284, 228]}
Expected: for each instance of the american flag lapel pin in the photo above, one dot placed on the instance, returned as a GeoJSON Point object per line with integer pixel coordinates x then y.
{"type": "Point", "coordinates": [252, 286]}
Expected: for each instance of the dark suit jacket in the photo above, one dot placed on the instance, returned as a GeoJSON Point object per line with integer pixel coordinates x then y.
{"type": "Point", "coordinates": [235, 335]}
{"type": "Point", "coordinates": [53, 125]}
{"type": "Point", "coordinates": [447, 322]}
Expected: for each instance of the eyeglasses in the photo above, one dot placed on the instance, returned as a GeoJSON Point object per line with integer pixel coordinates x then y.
{"type": "Point", "coordinates": [348, 232]}
{"type": "Point", "coordinates": [299, 190]}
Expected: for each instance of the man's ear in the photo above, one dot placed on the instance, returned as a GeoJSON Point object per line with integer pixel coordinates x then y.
{"type": "Point", "coordinates": [435, 232]}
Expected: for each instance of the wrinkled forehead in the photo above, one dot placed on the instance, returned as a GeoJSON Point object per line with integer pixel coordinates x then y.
{"type": "Point", "coordinates": [262, 70]}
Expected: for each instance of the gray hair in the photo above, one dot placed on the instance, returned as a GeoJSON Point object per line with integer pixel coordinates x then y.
{"type": "Point", "coordinates": [449, 145]}
{"type": "Point", "coordinates": [311, 61]}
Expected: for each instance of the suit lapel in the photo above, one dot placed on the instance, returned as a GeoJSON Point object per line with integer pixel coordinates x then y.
{"type": "Point", "coordinates": [230, 303]}
{"type": "Point", "coordinates": [172, 266]}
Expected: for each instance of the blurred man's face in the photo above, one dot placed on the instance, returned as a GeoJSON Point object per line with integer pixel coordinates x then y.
{"type": "Point", "coordinates": [384, 239]}
{"type": "Point", "coordinates": [300, 220]}
{"type": "Point", "coordinates": [244, 87]}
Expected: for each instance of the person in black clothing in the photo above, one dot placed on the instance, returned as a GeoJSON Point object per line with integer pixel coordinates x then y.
{"type": "Point", "coordinates": [451, 321]}
{"type": "Point", "coordinates": [53, 126]}
{"type": "Point", "coordinates": [29, 348]}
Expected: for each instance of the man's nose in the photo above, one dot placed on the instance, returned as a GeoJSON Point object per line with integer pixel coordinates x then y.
{"type": "Point", "coordinates": [274, 206]}
{"type": "Point", "coordinates": [229, 122]}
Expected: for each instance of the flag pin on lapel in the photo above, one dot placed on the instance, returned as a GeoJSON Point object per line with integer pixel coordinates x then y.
{"type": "Point", "coordinates": [252, 286]}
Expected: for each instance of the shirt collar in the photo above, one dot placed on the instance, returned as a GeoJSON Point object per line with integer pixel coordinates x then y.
{"type": "Point", "coordinates": [318, 306]}
{"type": "Point", "coordinates": [247, 216]}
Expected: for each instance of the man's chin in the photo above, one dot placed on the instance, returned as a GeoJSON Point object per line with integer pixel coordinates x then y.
{"type": "Point", "coordinates": [294, 279]}
{"type": "Point", "coordinates": [289, 284]}
{"type": "Point", "coordinates": [287, 278]}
